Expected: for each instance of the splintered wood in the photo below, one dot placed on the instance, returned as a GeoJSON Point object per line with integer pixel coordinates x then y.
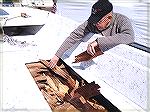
{"type": "Point", "coordinates": [63, 91]}
{"type": "Point", "coordinates": [84, 56]}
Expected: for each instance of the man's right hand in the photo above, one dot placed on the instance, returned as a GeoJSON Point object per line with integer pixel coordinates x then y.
{"type": "Point", "coordinates": [53, 61]}
{"type": "Point", "coordinates": [90, 48]}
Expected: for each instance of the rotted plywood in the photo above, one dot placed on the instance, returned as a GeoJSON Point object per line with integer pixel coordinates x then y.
{"type": "Point", "coordinates": [65, 90]}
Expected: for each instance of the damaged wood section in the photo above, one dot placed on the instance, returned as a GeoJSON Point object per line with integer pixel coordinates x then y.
{"type": "Point", "coordinates": [64, 90]}
{"type": "Point", "coordinates": [84, 56]}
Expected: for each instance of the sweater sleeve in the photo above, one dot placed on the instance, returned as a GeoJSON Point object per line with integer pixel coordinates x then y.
{"type": "Point", "coordinates": [122, 33]}
{"type": "Point", "coordinates": [74, 37]}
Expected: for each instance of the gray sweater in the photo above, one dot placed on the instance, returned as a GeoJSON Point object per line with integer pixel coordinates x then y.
{"type": "Point", "coordinates": [120, 31]}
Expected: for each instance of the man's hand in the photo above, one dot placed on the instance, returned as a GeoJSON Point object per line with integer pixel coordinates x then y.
{"type": "Point", "coordinates": [90, 48]}
{"type": "Point", "coordinates": [53, 61]}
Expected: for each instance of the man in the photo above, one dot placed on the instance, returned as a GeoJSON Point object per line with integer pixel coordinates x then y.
{"type": "Point", "coordinates": [115, 29]}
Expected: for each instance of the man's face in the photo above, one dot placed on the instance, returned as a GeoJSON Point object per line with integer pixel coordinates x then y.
{"type": "Point", "coordinates": [104, 22]}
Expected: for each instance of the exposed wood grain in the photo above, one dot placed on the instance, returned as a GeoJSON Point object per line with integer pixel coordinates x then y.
{"type": "Point", "coordinates": [61, 73]}
{"type": "Point", "coordinates": [84, 56]}
{"type": "Point", "coordinates": [58, 94]}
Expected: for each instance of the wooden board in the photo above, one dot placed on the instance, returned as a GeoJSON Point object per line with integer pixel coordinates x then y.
{"type": "Point", "coordinates": [65, 91]}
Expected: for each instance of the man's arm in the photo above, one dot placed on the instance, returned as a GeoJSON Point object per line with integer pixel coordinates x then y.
{"type": "Point", "coordinates": [122, 34]}
{"type": "Point", "coordinates": [74, 37]}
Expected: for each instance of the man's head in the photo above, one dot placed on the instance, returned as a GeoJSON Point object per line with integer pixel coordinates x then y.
{"type": "Point", "coordinates": [100, 9]}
